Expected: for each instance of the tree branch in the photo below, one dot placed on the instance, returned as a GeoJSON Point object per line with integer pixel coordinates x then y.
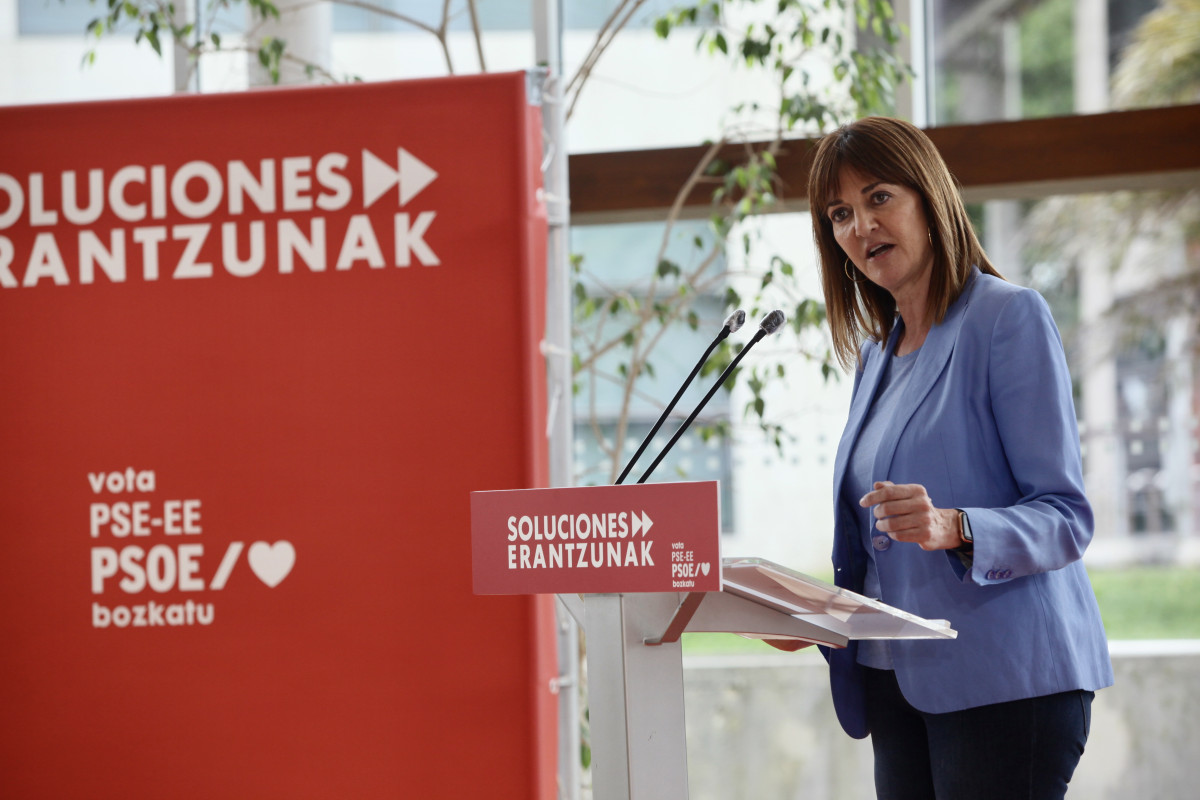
{"type": "Point", "coordinates": [475, 29]}
{"type": "Point", "coordinates": [603, 39]}
{"type": "Point", "coordinates": [441, 35]}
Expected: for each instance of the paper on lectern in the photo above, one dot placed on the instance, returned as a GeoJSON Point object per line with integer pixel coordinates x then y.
{"type": "Point", "coordinates": [848, 613]}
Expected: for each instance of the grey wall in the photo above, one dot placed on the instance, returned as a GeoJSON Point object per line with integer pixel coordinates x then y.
{"type": "Point", "coordinates": [763, 728]}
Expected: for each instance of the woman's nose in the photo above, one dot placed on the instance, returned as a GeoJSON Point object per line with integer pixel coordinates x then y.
{"type": "Point", "coordinates": [864, 223]}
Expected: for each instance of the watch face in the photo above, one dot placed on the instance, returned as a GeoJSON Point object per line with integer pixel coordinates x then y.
{"type": "Point", "coordinates": [966, 527]}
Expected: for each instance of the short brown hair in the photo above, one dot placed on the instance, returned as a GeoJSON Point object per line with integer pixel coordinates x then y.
{"type": "Point", "coordinates": [898, 152]}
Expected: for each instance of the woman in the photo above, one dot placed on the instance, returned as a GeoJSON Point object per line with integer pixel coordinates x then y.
{"type": "Point", "coordinates": [958, 486]}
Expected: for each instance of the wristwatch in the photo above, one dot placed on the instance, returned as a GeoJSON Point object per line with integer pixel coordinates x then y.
{"type": "Point", "coordinates": [964, 530]}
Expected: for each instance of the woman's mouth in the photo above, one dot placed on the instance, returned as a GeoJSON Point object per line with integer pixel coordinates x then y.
{"type": "Point", "coordinates": [878, 249]}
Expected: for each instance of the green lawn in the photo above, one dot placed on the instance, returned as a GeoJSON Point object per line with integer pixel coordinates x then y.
{"type": "Point", "coordinates": [1149, 602]}
{"type": "Point", "coordinates": [1136, 603]}
{"type": "Point", "coordinates": [723, 644]}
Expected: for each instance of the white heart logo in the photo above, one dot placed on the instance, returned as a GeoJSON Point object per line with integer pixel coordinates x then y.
{"type": "Point", "coordinates": [272, 563]}
{"type": "Point", "coordinates": [704, 567]}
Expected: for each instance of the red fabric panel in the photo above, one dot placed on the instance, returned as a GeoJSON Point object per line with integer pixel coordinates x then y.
{"type": "Point", "coordinates": [344, 413]}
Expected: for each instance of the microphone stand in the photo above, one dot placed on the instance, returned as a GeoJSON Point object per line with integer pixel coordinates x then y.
{"type": "Point", "coordinates": [771, 323]}
{"type": "Point", "coordinates": [732, 323]}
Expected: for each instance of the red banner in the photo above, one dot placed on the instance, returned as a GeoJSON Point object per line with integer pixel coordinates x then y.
{"type": "Point", "coordinates": [244, 402]}
{"type": "Point", "coordinates": [653, 537]}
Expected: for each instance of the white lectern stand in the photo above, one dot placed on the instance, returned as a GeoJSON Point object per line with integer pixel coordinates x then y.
{"type": "Point", "coordinates": [635, 664]}
{"type": "Point", "coordinates": [638, 566]}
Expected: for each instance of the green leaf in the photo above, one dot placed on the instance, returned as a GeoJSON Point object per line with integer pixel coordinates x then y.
{"type": "Point", "coordinates": [717, 166]}
{"type": "Point", "coordinates": [757, 406]}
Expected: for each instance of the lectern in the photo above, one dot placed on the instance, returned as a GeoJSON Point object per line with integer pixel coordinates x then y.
{"type": "Point", "coordinates": [638, 566]}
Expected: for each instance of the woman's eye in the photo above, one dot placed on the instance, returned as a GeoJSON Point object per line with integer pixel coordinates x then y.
{"type": "Point", "coordinates": [838, 214]}
{"type": "Point", "coordinates": [880, 197]}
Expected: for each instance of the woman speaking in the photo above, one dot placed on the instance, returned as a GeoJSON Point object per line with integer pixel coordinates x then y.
{"type": "Point", "coordinates": [958, 486]}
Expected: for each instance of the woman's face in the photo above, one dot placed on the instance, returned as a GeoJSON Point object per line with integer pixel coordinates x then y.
{"type": "Point", "coordinates": [882, 227]}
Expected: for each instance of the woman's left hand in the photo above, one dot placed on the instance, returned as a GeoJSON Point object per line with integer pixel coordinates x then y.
{"type": "Point", "coordinates": [905, 513]}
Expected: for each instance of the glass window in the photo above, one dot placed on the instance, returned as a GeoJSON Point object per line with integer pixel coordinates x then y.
{"type": "Point", "coordinates": [693, 458]}
{"type": "Point", "coordinates": [590, 15]}
{"type": "Point", "coordinates": [72, 17]}
{"type": "Point", "coordinates": [494, 15]}
{"type": "Point", "coordinates": [1002, 59]}
{"type": "Point", "coordinates": [616, 264]}
{"type": "Point", "coordinates": [55, 17]}
{"type": "Point", "coordinates": [1119, 271]}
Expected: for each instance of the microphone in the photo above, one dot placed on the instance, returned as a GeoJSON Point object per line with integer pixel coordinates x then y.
{"type": "Point", "coordinates": [770, 324]}
{"type": "Point", "coordinates": [732, 323]}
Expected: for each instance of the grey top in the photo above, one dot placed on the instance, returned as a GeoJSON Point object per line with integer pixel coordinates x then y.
{"type": "Point", "coordinates": [860, 480]}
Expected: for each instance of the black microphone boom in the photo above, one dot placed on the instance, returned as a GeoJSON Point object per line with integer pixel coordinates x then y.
{"type": "Point", "coordinates": [770, 323]}
{"type": "Point", "coordinates": [732, 323]}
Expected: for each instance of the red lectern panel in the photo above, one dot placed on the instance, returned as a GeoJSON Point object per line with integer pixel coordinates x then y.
{"type": "Point", "coordinates": [653, 537]}
{"type": "Point", "coordinates": [244, 399]}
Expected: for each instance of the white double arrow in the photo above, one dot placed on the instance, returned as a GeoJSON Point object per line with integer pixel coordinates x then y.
{"type": "Point", "coordinates": [641, 522]}
{"type": "Point", "coordinates": [412, 175]}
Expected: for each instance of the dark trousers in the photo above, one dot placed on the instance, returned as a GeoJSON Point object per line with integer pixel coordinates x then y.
{"type": "Point", "coordinates": [1021, 750]}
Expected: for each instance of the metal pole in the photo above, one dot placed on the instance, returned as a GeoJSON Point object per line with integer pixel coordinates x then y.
{"type": "Point", "coordinates": [187, 74]}
{"type": "Point", "coordinates": [307, 27]}
{"type": "Point", "coordinates": [547, 28]}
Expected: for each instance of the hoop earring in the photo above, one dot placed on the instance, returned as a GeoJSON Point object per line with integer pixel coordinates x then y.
{"type": "Point", "coordinates": [849, 277]}
{"type": "Point", "coordinates": [929, 233]}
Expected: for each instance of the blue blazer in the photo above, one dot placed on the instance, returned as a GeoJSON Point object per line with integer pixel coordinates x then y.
{"type": "Point", "coordinates": [989, 427]}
